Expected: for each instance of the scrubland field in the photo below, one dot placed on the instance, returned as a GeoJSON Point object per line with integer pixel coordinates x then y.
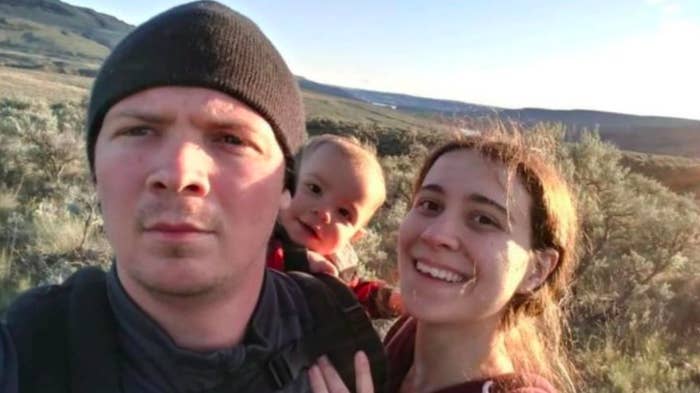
{"type": "Point", "coordinates": [16, 83]}
{"type": "Point", "coordinates": [635, 316]}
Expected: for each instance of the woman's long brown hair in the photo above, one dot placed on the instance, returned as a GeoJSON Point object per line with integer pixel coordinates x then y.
{"type": "Point", "coordinates": [533, 324]}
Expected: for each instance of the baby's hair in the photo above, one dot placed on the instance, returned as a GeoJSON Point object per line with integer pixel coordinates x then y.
{"type": "Point", "coordinates": [349, 145]}
{"type": "Point", "coordinates": [351, 148]}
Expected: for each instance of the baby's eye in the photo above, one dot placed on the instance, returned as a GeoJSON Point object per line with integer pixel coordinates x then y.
{"type": "Point", "coordinates": [428, 206]}
{"type": "Point", "coordinates": [314, 188]}
{"type": "Point", "coordinates": [345, 213]}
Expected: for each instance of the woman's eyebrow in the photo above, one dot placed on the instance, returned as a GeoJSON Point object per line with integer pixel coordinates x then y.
{"type": "Point", "coordinates": [478, 198]}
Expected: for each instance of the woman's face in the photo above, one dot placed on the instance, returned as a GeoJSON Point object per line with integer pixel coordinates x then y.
{"type": "Point", "coordinates": [464, 248]}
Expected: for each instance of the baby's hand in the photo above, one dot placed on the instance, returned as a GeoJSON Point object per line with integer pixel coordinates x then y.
{"type": "Point", "coordinates": [319, 264]}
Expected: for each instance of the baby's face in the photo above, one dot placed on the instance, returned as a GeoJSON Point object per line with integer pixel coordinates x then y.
{"type": "Point", "coordinates": [334, 198]}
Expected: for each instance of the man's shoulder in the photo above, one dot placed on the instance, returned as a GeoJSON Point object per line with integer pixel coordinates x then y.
{"type": "Point", "coordinates": [47, 301]}
{"type": "Point", "coordinates": [286, 288]}
{"type": "Point", "coordinates": [56, 328]}
{"type": "Point", "coordinates": [36, 302]}
{"type": "Point", "coordinates": [8, 363]}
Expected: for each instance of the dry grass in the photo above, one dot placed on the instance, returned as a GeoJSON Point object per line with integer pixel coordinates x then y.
{"type": "Point", "coordinates": [680, 174]}
{"type": "Point", "coordinates": [19, 83]}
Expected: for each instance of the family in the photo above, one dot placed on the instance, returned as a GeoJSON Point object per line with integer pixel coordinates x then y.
{"type": "Point", "coordinates": [212, 199]}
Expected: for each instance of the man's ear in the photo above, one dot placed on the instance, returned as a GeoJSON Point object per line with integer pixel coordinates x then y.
{"type": "Point", "coordinates": [285, 199]}
{"type": "Point", "coordinates": [541, 266]}
{"type": "Point", "coordinates": [358, 235]}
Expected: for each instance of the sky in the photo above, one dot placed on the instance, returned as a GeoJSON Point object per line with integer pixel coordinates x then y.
{"type": "Point", "coordinates": [630, 56]}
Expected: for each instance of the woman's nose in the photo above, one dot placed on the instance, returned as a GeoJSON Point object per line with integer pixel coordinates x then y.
{"type": "Point", "coordinates": [441, 233]}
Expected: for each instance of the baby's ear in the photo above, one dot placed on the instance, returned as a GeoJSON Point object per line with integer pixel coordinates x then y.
{"type": "Point", "coordinates": [541, 266]}
{"type": "Point", "coordinates": [358, 235]}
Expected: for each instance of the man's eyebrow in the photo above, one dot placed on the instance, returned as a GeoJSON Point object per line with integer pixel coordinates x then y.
{"type": "Point", "coordinates": [147, 117]}
{"type": "Point", "coordinates": [222, 123]}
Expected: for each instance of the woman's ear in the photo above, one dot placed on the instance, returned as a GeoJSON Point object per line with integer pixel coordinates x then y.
{"type": "Point", "coordinates": [541, 266]}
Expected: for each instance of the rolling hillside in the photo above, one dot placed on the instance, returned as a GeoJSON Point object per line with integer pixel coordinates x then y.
{"type": "Point", "coordinates": [56, 36]}
{"type": "Point", "coordinates": [53, 37]}
{"type": "Point", "coordinates": [646, 134]}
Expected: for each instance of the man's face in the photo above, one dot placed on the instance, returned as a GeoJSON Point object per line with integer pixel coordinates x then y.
{"type": "Point", "coordinates": [190, 182]}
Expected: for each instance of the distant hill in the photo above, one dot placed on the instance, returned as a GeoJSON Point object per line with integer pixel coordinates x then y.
{"type": "Point", "coordinates": [648, 134]}
{"type": "Point", "coordinates": [53, 36]}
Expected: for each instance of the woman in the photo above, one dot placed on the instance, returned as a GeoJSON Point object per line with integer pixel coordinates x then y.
{"type": "Point", "coordinates": [486, 254]}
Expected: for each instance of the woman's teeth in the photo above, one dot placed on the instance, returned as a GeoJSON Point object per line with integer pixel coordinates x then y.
{"type": "Point", "coordinates": [439, 274]}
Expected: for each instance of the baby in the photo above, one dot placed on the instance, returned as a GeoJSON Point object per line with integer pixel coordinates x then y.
{"type": "Point", "coordinates": [340, 185]}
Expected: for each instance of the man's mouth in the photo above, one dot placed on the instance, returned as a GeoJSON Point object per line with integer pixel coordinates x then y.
{"type": "Point", "coordinates": [437, 273]}
{"type": "Point", "coordinates": [181, 228]}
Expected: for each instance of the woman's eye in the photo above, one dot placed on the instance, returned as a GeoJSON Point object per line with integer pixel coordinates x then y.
{"type": "Point", "coordinates": [232, 139]}
{"type": "Point", "coordinates": [484, 220]}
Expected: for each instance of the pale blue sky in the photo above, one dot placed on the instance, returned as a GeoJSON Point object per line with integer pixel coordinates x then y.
{"type": "Point", "coordinates": [640, 57]}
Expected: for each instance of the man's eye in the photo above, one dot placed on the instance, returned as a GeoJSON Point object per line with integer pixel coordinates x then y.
{"type": "Point", "coordinates": [137, 131]}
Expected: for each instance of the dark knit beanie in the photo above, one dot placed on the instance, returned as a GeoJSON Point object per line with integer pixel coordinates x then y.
{"type": "Point", "coordinates": [202, 44]}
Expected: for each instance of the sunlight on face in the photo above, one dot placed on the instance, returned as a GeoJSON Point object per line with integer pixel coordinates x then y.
{"type": "Point", "coordinates": [336, 195]}
{"type": "Point", "coordinates": [464, 246]}
{"type": "Point", "coordinates": [189, 181]}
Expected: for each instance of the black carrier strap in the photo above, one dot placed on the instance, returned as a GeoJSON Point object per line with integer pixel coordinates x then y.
{"type": "Point", "coordinates": [341, 328]}
{"type": "Point", "coordinates": [294, 254]}
{"type": "Point", "coordinates": [341, 325]}
{"type": "Point", "coordinates": [65, 337]}
{"type": "Point", "coordinates": [92, 369]}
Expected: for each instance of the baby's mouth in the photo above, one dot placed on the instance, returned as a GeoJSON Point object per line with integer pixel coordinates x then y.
{"type": "Point", "coordinates": [308, 228]}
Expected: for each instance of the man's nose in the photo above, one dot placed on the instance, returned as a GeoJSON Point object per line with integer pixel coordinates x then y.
{"type": "Point", "coordinates": [182, 167]}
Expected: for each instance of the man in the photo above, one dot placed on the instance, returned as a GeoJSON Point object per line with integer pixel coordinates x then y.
{"type": "Point", "coordinates": [192, 124]}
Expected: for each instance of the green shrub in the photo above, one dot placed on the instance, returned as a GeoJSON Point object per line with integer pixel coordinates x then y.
{"type": "Point", "coordinates": [634, 313]}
